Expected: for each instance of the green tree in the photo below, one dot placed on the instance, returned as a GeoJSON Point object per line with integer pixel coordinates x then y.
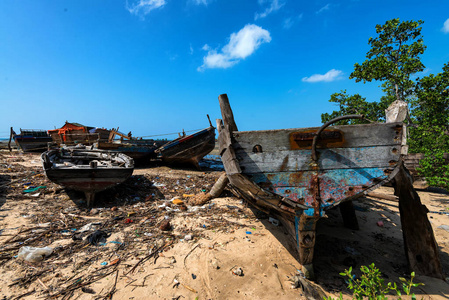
{"type": "Point", "coordinates": [394, 56]}
{"type": "Point", "coordinates": [354, 104]}
{"type": "Point", "coordinates": [430, 111]}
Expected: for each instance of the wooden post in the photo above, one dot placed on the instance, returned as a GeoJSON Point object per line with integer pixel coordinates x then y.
{"type": "Point", "coordinates": [226, 112]}
{"type": "Point", "coordinates": [421, 248]}
{"type": "Point", "coordinates": [10, 137]}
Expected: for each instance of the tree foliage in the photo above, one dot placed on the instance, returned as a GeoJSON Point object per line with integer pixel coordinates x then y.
{"type": "Point", "coordinates": [354, 104]}
{"type": "Point", "coordinates": [430, 111]}
{"type": "Point", "coordinates": [393, 58]}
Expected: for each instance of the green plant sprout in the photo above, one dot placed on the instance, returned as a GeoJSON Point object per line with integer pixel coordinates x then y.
{"type": "Point", "coordinates": [372, 286]}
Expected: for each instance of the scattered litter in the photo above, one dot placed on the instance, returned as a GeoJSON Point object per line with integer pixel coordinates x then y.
{"type": "Point", "coordinates": [88, 227]}
{"type": "Point", "coordinates": [273, 221]}
{"type": "Point", "coordinates": [34, 254]}
{"type": "Point", "coordinates": [439, 212]}
{"type": "Point", "coordinates": [380, 223]}
{"type": "Point", "coordinates": [32, 190]}
{"type": "Point", "coordinates": [237, 271]}
{"type": "Point", "coordinates": [444, 227]}
{"type": "Point", "coordinates": [177, 201]}
{"type": "Point", "coordinates": [165, 225]}
{"type": "Point", "coordinates": [97, 237]}
{"type": "Point", "coordinates": [87, 290]}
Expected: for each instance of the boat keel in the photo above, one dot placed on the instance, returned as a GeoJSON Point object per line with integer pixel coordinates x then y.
{"type": "Point", "coordinates": [89, 198]}
{"type": "Point", "coordinates": [305, 238]}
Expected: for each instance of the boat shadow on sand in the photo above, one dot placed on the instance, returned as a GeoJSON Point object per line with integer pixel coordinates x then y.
{"type": "Point", "coordinates": [136, 189]}
{"type": "Point", "coordinates": [5, 180]}
{"type": "Point", "coordinates": [338, 248]}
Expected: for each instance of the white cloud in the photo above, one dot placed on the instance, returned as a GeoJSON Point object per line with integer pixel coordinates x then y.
{"type": "Point", "coordinates": [241, 45]}
{"type": "Point", "coordinates": [144, 7]}
{"type": "Point", "coordinates": [274, 6]}
{"type": "Point", "coordinates": [332, 75]}
{"type": "Point", "coordinates": [324, 8]}
{"type": "Point", "coordinates": [445, 28]}
{"type": "Point", "coordinates": [203, 2]}
{"type": "Point", "coordinates": [288, 22]}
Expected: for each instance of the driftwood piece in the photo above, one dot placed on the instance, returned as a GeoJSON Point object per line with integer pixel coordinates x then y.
{"type": "Point", "coordinates": [421, 248]}
{"type": "Point", "coordinates": [219, 185]}
{"type": "Point", "coordinates": [216, 190]}
{"type": "Point", "coordinates": [383, 196]}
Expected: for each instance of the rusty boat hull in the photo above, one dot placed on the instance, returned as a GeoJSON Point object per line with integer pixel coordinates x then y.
{"type": "Point", "coordinates": [289, 175]}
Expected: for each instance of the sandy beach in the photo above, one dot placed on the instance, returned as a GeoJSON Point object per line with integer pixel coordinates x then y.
{"type": "Point", "coordinates": [160, 247]}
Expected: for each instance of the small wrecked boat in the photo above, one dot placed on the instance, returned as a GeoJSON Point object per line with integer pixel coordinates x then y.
{"type": "Point", "coordinates": [30, 140]}
{"type": "Point", "coordinates": [297, 174]}
{"type": "Point", "coordinates": [89, 171]}
{"type": "Point", "coordinates": [138, 149]}
{"type": "Point", "coordinates": [190, 149]}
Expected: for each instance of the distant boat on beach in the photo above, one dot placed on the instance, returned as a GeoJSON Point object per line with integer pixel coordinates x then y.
{"type": "Point", "coordinates": [188, 149]}
{"type": "Point", "coordinates": [135, 148]}
{"type": "Point", "coordinates": [30, 140]}
{"type": "Point", "coordinates": [75, 133]}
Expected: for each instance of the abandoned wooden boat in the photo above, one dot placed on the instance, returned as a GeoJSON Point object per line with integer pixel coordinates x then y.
{"type": "Point", "coordinates": [297, 174]}
{"type": "Point", "coordinates": [188, 149]}
{"type": "Point", "coordinates": [89, 171]}
{"type": "Point", "coordinates": [136, 148]}
{"type": "Point", "coordinates": [30, 140]}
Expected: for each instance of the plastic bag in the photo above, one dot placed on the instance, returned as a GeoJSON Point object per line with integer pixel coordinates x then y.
{"type": "Point", "coordinates": [34, 254]}
{"type": "Point", "coordinates": [98, 237]}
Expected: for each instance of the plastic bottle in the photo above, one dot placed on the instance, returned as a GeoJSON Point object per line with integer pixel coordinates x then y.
{"type": "Point", "coordinates": [34, 254]}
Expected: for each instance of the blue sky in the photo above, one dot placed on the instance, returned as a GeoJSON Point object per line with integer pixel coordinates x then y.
{"type": "Point", "coordinates": [157, 66]}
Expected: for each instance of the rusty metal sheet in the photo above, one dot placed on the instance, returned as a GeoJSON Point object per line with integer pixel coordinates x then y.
{"type": "Point", "coordinates": [328, 138]}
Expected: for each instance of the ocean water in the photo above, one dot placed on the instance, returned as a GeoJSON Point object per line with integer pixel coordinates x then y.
{"type": "Point", "coordinates": [212, 161]}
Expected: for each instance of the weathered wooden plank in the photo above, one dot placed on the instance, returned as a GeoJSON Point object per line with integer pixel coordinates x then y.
{"type": "Point", "coordinates": [227, 153]}
{"type": "Point", "coordinates": [300, 160]}
{"type": "Point", "coordinates": [230, 162]}
{"type": "Point", "coordinates": [224, 139]}
{"type": "Point", "coordinates": [226, 112]}
{"type": "Point", "coordinates": [352, 135]}
{"type": "Point", "coordinates": [421, 248]}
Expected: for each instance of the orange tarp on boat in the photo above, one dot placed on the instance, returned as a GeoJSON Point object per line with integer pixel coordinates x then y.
{"type": "Point", "coordinates": [75, 133]}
